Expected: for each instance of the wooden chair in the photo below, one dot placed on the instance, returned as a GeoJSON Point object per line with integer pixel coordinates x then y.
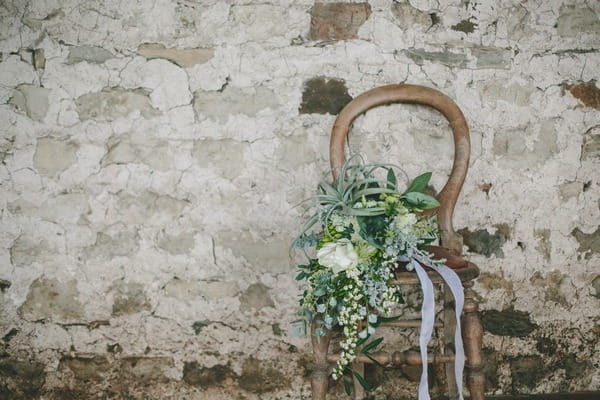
{"type": "Point", "coordinates": [449, 239]}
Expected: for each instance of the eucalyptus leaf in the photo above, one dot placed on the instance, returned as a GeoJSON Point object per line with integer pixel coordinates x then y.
{"type": "Point", "coordinates": [301, 276]}
{"type": "Point", "coordinates": [419, 183]}
{"type": "Point", "coordinates": [348, 386]}
{"type": "Point", "coordinates": [381, 320]}
{"type": "Point", "coordinates": [371, 345]}
{"type": "Point", "coordinates": [421, 200]}
{"type": "Point", "coordinates": [361, 380]}
{"type": "Point", "coordinates": [391, 179]}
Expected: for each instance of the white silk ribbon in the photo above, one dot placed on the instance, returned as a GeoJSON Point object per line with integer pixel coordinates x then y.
{"type": "Point", "coordinates": [428, 317]}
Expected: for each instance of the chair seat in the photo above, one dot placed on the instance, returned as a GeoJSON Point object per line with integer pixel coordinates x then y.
{"type": "Point", "coordinates": [467, 273]}
{"type": "Point", "coordinates": [452, 260]}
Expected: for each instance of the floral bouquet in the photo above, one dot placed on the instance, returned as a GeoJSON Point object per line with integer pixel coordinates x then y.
{"type": "Point", "coordinates": [366, 225]}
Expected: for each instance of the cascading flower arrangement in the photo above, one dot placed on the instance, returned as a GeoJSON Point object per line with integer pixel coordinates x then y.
{"type": "Point", "coordinates": [366, 226]}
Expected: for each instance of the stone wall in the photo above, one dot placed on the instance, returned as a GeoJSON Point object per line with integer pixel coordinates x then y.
{"type": "Point", "coordinates": [153, 156]}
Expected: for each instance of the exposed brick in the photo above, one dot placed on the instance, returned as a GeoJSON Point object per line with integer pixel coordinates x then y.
{"type": "Point", "coordinates": [586, 92]}
{"type": "Point", "coordinates": [337, 21]}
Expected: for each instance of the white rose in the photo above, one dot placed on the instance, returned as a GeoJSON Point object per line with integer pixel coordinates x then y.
{"type": "Point", "coordinates": [339, 256]}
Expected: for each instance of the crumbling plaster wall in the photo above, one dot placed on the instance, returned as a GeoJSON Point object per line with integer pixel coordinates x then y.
{"type": "Point", "coordinates": [153, 154]}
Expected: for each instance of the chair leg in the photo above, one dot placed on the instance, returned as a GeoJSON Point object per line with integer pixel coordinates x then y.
{"type": "Point", "coordinates": [473, 338]}
{"type": "Point", "coordinates": [320, 375]}
{"type": "Point", "coordinates": [448, 341]}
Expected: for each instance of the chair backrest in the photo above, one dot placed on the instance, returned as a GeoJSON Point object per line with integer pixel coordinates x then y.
{"type": "Point", "coordinates": [403, 93]}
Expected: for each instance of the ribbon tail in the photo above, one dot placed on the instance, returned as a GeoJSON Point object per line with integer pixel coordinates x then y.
{"type": "Point", "coordinates": [427, 320]}
{"type": "Point", "coordinates": [455, 285]}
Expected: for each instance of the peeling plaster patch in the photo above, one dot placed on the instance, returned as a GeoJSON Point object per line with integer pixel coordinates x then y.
{"type": "Point", "coordinates": [262, 255]}
{"type": "Point", "coordinates": [596, 287]}
{"type": "Point", "coordinates": [111, 104]}
{"type": "Point", "coordinates": [493, 281]}
{"type": "Point", "coordinates": [183, 57]}
{"type": "Point", "coordinates": [510, 145]}
{"type": "Point", "coordinates": [293, 153]}
{"type": "Point", "coordinates": [51, 299]}
{"type": "Point", "coordinates": [256, 297]}
{"type": "Point", "coordinates": [87, 368]}
{"type": "Point", "coordinates": [25, 251]}
{"type": "Point", "coordinates": [421, 56]}
{"type": "Point", "coordinates": [220, 105]}
{"type": "Point", "coordinates": [574, 368]}
{"type": "Point", "coordinates": [157, 154]}
{"type": "Point", "coordinates": [259, 378]}
{"type": "Point", "coordinates": [465, 26]}
{"type": "Point", "coordinates": [482, 57]}
{"type": "Point", "coordinates": [39, 59]}
{"type": "Point", "coordinates": [586, 92]}
{"type": "Point", "coordinates": [167, 82]}
{"type": "Point", "coordinates": [4, 285]}
{"type": "Point", "coordinates": [146, 369]}
{"type": "Point", "coordinates": [488, 57]}
{"type": "Point", "coordinates": [129, 298]}
{"type": "Point", "coordinates": [573, 21]}
{"type": "Point", "coordinates": [14, 72]}
{"type": "Point", "coordinates": [22, 207]}
{"type": "Point", "coordinates": [589, 243]}
{"type": "Point", "coordinates": [21, 379]}
{"type": "Point", "coordinates": [226, 156]}
{"type": "Point", "coordinates": [177, 244]}
{"type": "Point", "coordinates": [491, 366]}
{"type": "Point", "coordinates": [6, 146]}
{"type": "Point", "coordinates": [148, 208]}
{"type": "Point", "coordinates": [31, 99]}
{"type": "Point", "coordinates": [551, 286]}
{"type": "Point", "coordinates": [526, 371]}
{"type": "Point", "coordinates": [324, 96]}
{"type": "Point", "coordinates": [65, 208]}
{"type": "Point", "coordinates": [91, 54]}
{"type": "Point", "coordinates": [544, 245]}
{"type": "Point", "coordinates": [569, 190]}
{"type": "Point", "coordinates": [512, 93]}
{"type": "Point", "coordinates": [53, 156]}
{"type": "Point", "coordinates": [121, 244]}
{"type": "Point", "coordinates": [337, 21]}
{"type": "Point", "coordinates": [259, 22]}
{"type": "Point", "coordinates": [482, 242]}
{"type": "Point", "coordinates": [409, 16]}
{"type": "Point", "coordinates": [196, 375]}
{"type": "Point", "coordinates": [507, 323]}
{"type": "Point", "coordinates": [590, 149]}
{"type": "Point", "coordinates": [199, 325]}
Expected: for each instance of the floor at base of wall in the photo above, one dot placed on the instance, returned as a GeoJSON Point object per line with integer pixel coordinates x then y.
{"type": "Point", "coordinates": [553, 396]}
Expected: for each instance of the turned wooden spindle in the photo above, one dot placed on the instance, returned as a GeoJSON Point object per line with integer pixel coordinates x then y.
{"type": "Point", "coordinates": [320, 375]}
{"type": "Point", "coordinates": [473, 338]}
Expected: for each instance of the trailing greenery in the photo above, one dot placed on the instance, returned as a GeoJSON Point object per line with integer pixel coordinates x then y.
{"type": "Point", "coordinates": [362, 227]}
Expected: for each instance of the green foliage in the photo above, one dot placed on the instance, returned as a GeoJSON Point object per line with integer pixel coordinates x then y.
{"type": "Point", "coordinates": [420, 200]}
{"type": "Point", "coordinates": [362, 381]}
{"type": "Point", "coordinates": [365, 224]}
{"type": "Point", "coordinates": [419, 183]}
{"type": "Point", "coordinates": [371, 345]}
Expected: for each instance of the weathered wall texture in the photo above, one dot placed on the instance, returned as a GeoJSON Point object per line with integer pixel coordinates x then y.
{"type": "Point", "coordinates": [153, 152]}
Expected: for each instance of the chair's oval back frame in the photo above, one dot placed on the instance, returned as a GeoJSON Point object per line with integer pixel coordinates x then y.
{"type": "Point", "coordinates": [405, 93]}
